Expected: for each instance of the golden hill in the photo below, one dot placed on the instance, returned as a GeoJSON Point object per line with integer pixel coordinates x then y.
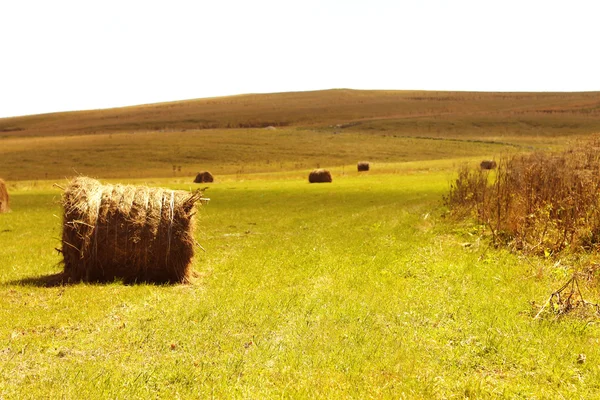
{"type": "Point", "coordinates": [318, 108]}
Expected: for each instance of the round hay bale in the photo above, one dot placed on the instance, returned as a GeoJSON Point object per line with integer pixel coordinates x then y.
{"type": "Point", "coordinates": [319, 176]}
{"type": "Point", "coordinates": [4, 198]}
{"type": "Point", "coordinates": [133, 233]}
{"type": "Point", "coordinates": [363, 166]}
{"type": "Point", "coordinates": [203, 177]}
{"type": "Point", "coordinates": [488, 164]}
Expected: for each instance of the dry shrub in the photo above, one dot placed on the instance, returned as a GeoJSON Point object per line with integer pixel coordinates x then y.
{"type": "Point", "coordinates": [466, 193]}
{"type": "Point", "coordinates": [363, 166]}
{"type": "Point", "coordinates": [488, 164]}
{"type": "Point", "coordinates": [4, 198]}
{"type": "Point", "coordinates": [540, 203]}
{"type": "Point", "coordinates": [203, 177]}
{"type": "Point", "coordinates": [133, 233]}
{"type": "Point", "coordinates": [319, 176]}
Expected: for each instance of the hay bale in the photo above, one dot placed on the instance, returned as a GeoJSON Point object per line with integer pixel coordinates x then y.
{"type": "Point", "coordinates": [4, 198]}
{"type": "Point", "coordinates": [133, 233]}
{"type": "Point", "coordinates": [488, 164]}
{"type": "Point", "coordinates": [363, 166]}
{"type": "Point", "coordinates": [203, 177]}
{"type": "Point", "coordinates": [319, 176]}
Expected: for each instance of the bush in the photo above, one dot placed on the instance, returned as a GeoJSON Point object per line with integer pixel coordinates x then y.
{"type": "Point", "coordinates": [542, 203]}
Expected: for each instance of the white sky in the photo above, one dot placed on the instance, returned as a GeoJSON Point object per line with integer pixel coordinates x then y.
{"type": "Point", "coordinates": [64, 55]}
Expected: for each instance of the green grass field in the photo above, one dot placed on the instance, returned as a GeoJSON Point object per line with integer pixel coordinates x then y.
{"type": "Point", "coordinates": [362, 288]}
{"type": "Point", "coordinates": [356, 289]}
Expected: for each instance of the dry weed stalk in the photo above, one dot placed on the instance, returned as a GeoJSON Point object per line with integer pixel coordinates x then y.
{"type": "Point", "coordinates": [567, 299]}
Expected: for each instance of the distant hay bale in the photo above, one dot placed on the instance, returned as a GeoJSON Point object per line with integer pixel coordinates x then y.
{"type": "Point", "coordinates": [133, 233]}
{"type": "Point", "coordinates": [488, 164]}
{"type": "Point", "coordinates": [363, 166]}
{"type": "Point", "coordinates": [319, 176]}
{"type": "Point", "coordinates": [203, 177]}
{"type": "Point", "coordinates": [4, 198]}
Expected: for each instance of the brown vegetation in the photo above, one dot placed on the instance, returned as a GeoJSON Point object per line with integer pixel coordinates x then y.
{"type": "Point", "coordinates": [363, 166]}
{"type": "Point", "coordinates": [204, 177]}
{"type": "Point", "coordinates": [541, 203]}
{"type": "Point", "coordinates": [4, 198]}
{"type": "Point", "coordinates": [319, 176]}
{"type": "Point", "coordinates": [133, 233]}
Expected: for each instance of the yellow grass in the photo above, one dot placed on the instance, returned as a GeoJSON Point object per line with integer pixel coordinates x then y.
{"type": "Point", "coordinates": [242, 152]}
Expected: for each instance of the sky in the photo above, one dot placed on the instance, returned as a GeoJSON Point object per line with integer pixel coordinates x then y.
{"type": "Point", "coordinates": [66, 55]}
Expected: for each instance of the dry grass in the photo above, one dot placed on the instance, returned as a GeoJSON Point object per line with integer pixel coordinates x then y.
{"type": "Point", "coordinates": [133, 233]}
{"type": "Point", "coordinates": [240, 152]}
{"type": "Point", "coordinates": [4, 197]}
{"type": "Point", "coordinates": [543, 203]}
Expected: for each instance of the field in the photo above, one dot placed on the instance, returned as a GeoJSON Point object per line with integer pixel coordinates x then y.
{"type": "Point", "coordinates": [362, 288]}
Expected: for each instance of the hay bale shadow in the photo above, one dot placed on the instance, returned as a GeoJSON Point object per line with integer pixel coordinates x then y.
{"type": "Point", "coordinates": [52, 280]}
{"type": "Point", "coordinates": [61, 279]}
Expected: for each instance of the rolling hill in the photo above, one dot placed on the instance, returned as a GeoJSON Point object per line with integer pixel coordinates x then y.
{"type": "Point", "coordinates": [283, 132]}
{"type": "Point", "coordinates": [341, 107]}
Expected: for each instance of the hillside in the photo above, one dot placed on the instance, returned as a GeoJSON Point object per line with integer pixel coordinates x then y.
{"type": "Point", "coordinates": [290, 132]}
{"type": "Point", "coordinates": [380, 109]}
